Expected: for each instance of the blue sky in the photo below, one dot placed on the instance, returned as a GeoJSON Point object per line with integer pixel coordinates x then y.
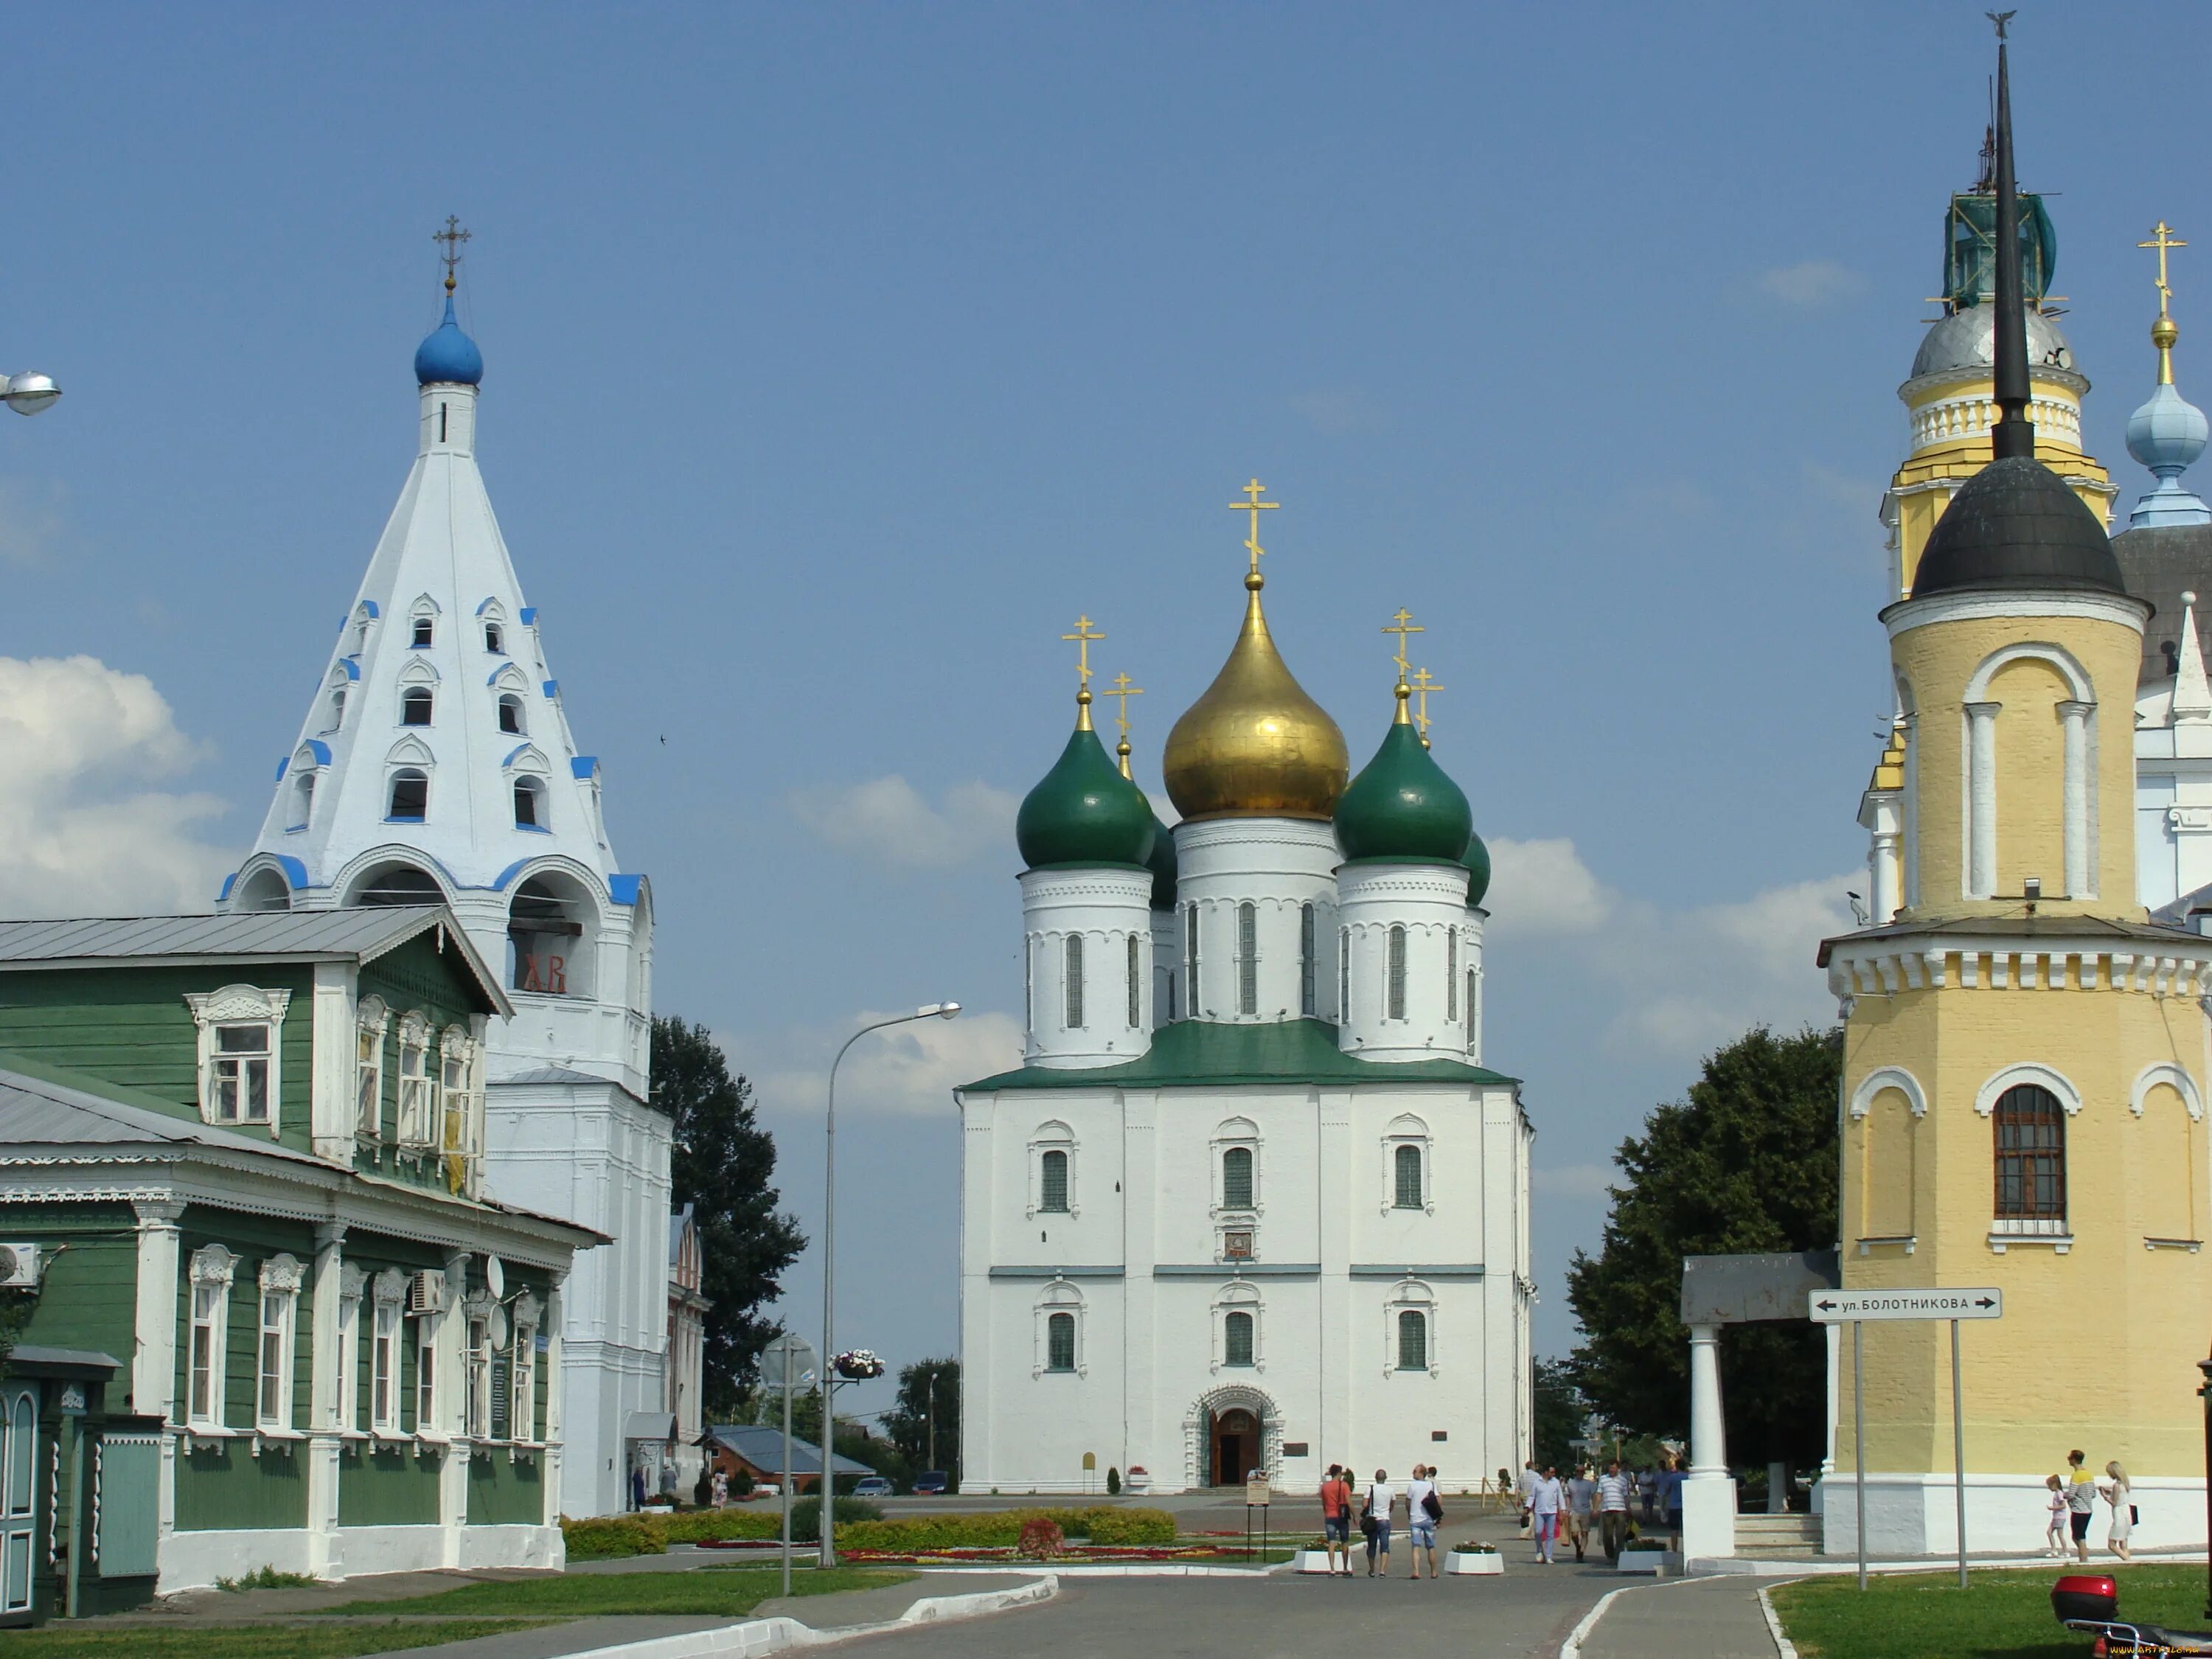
{"type": "Point", "coordinates": [839, 356]}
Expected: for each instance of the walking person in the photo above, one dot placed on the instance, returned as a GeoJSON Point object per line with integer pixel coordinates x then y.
{"type": "Point", "coordinates": [1424, 1508]}
{"type": "Point", "coordinates": [1670, 1495]}
{"type": "Point", "coordinates": [1544, 1503]}
{"type": "Point", "coordinates": [1582, 1507]}
{"type": "Point", "coordinates": [1613, 1496]}
{"type": "Point", "coordinates": [2080, 1501]}
{"type": "Point", "coordinates": [1336, 1519]}
{"type": "Point", "coordinates": [1375, 1521]}
{"type": "Point", "coordinates": [1524, 1484]}
{"type": "Point", "coordinates": [2121, 1497]}
{"type": "Point", "coordinates": [2054, 1531]}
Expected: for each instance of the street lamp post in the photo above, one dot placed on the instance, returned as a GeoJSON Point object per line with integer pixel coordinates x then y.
{"type": "Point", "coordinates": [29, 393]}
{"type": "Point", "coordinates": [826, 1484]}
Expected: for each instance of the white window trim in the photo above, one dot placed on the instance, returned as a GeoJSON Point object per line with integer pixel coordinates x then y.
{"type": "Point", "coordinates": [345, 1404]}
{"type": "Point", "coordinates": [213, 1268]}
{"type": "Point", "coordinates": [522, 1372]}
{"type": "Point", "coordinates": [1244, 1298]}
{"type": "Point", "coordinates": [1237, 1131]}
{"type": "Point", "coordinates": [475, 1366]}
{"type": "Point", "coordinates": [370, 1019]}
{"type": "Point", "coordinates": [240, 1005]}
{"type": "Point", "coordinates": [1408, 1131]}
{"type": "Point", "coordinates": [460, 1121]}
{"type": "Point", "coordinates": [279, 1280]}
{"type": "Point", "coordinates": [1409, 1296]}
{"type": "Point", "coordinates": [390, 1308]}
{"type": "Point", "coordinates": [429, 1419]}
{"type": "Point", "coordinates": [1053, 1137]}
{"type": "Point", "coordinates": [1060, 1298]}
{"type": "Point", "coordinates": [417, 1127]}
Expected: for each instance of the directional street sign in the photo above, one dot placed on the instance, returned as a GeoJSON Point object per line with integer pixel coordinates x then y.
{"type": "Point", "coordinates": [1843, 1307]}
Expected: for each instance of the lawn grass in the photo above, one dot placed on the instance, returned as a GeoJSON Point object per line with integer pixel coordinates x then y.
{"type": "Point", "coordinates": [244, 1641]}
{"type": "Point", "coordinates": [589, 1595]}
{"type": "Point", "coordinates": [2002, 1614]}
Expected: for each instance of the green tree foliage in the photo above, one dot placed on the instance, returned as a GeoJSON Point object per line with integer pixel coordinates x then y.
{"type": "Point", "coordinates": [724, 1163]}
{"type": "Point", "coordinates": [1747, 1163]}
{"type": "Point", "coordinates": [928, 1393]}
{"type": "Point", "coordinates": [1559, 1409]}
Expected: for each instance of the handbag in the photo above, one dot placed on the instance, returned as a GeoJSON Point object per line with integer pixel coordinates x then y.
{"type": "Point", "coordinates": [1366, 1518]}
{"type": "Point", "coordinates": [1432, 1506]}
{"type": "Point", "coordinates": [2134, 1515]}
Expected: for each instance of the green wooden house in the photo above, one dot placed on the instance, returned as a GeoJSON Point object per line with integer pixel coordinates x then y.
{"type": "Point", "coordinates": [273, 1318]}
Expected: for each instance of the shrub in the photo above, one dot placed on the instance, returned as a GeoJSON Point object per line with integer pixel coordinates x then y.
{"type": "Point", "coordinates": [1128, 1527]}
{"type": "Point", "coordinates": [1002, 1529]}
{"type": "Point", "coordinates": [708, 1526]}
{"type": "Point", "coordinates": [1040, 1539]}
{"type": "Point", "coordinates": [608, 1536]}
{"type": "Point", "coordinates": [806, 1518]}
{"type": "Point", "coordinates": [1113, 1483]}
{"type": "Point", "coordinates": [741, 1481]}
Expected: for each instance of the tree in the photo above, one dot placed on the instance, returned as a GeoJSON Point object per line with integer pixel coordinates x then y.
{"type": "Point", "coordinates": [1747, 1163]}
{"type": "Point", "coordinates": [925, 1425]}
{"type": "Point", "coordinates": [1558, 1410]}
{"type": "Point", "coordinates": [723, 1163]}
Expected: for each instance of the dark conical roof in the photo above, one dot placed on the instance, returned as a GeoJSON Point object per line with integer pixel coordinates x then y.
{"type": "Point", "coordinates": [2015, 524]}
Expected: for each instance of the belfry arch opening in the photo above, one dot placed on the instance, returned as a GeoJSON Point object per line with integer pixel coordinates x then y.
{"type": "Point", "coordinates": [398, 883]}
{"type": "Point", "coordinates": [264, 890]}
{"type": "Point", "coordinates": [552, 924]}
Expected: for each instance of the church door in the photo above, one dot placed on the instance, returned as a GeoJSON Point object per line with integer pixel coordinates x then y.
{"type": "Point", "coordinates": [1235, 1446]}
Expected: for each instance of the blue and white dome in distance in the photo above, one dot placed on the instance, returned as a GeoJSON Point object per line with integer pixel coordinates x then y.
{"type": "Point", "coordinates": [447, 356]}
{"type": "Point", "coordinates": [2167, 434]}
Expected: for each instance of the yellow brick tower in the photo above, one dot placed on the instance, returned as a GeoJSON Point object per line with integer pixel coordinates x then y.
{"type": "Point", "coordinates": [2024, 1055]}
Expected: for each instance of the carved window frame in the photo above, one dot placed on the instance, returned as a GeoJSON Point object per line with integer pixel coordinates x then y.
{"type": "Point", "coordinates": [236, 1008]}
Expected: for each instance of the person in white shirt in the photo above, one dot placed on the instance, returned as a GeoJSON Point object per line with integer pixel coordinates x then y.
{"type": "Point", "coordinates": [1615, 1493]}
{"type": "Point", "coordinates": [1524, 1484]}
{"type": "Point", "coordinates": [1375, 1523]}
{"type": "Point", "coordinates": [1419, 1520]}
{"type": "Point", "coordinates": [1545, 1499]}
{"type": "Point", "coordinates": [1582, 1503]}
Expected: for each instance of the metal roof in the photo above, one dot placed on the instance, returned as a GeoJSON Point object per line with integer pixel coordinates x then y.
{"type": "Point", "coordinates": [359, 933]}
{"type": "Point", "coordinates": [762, 1448]}
{"type": "Point", "coordinates": [34, 1112]}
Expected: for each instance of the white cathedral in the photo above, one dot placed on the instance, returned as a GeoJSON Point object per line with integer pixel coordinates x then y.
{"type": "Point", "coordinates": [1251, 1201]}
{"type": "Point", "coordinates": [436, 764]}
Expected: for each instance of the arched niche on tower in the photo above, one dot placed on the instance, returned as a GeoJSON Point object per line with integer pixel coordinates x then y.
{"type": "Point", "coordinates": [395, 881]}
{"type": "Point", "coordinates": [265, 889]}
{"type": "Point", "coordinates": [553, 925]}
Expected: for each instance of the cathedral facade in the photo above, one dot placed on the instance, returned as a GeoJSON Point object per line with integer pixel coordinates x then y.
{"type": "Point", "coordinates": [435, 765]}
{"type": "Point", "coordinates": [1251, 1202]}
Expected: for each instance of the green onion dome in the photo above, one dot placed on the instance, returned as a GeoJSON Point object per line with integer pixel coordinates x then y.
{"type": "Point", "coordinates": [1401, 807]}
{"type": "Point", "coordinates": [1162, 863]}
{"type": "Point", "coordinates": [1477, 860]}
{"type": "Point", "coordinates": [1084, 811]}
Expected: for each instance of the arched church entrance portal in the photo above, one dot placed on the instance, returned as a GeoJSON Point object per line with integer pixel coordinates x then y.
{"type": "Point", "coordinates": [1235, 1436]}
{"type": "Point", "coordinates": [1230, 1432]}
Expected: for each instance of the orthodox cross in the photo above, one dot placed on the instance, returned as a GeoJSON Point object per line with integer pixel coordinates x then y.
{"type": "Point", "coordinates": [1123, 691]}
{"type": "Point", "coordinates": [2163, 333]}
{"type": "Point", "coordinates": [1424, 683]}
{"type": "Point", "coordinates": [452, 236]}
{"type": "Point", "coordinates": [1403, 625]}
{"type": "Point", "coordinates": [1255, 507]}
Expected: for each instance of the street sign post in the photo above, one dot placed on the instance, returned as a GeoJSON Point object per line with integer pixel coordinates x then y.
{"type": "Point", "coordinates": [1855, 1308]}
{"type": "Point", "coordinates": [788, 1362]}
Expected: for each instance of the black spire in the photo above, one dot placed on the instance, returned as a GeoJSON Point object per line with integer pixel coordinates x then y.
{"type": "Point", "coordinates": [2014, 434]}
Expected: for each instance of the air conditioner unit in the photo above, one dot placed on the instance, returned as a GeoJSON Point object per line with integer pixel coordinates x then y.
{"type": "Point", "coordinates": [19, 1267]}
{"type": "Point", "coordinates": [425, 1291]}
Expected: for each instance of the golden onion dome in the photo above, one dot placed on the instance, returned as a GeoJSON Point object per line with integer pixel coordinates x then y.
{"type": "Point", "coordinates": [1255, 746]}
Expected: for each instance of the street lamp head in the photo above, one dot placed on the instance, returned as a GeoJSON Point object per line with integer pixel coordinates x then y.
{"type": "Point", "coordinates": [30, 393]}
{"type": "Point", "coordinates": [942, 1010]}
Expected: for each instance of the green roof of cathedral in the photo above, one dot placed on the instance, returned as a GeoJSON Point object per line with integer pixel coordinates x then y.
{"type": "Point", "coordinates": [1403, 805]}
{"type": "Point", "coordinates": [1084, 811]}
{"type": "Point", "coordinates": [1195, 1051]}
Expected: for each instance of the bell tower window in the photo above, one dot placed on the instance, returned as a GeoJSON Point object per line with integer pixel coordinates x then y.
{"type": "Point", "coordinates": [510, 713]}
{"type": "Point", "coordinates": [495, 639]}
{"type": "Point", "coordinates": [423, 628]}
{"type": "Point", "coordinates": [410, 796]}
{"type": "Point", "coordinates": [415, 706]}
{"type": "Point", "coordinates": [528, 804]}
{"type": "Point", "coordinates": [546, 925]}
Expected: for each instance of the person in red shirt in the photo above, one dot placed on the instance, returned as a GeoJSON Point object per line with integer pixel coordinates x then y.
{"type": "Point", "coordinates": [1336, 1518]}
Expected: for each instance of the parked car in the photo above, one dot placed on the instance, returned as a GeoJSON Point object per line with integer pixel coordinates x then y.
{"type": "Point", "coordinates": [933, 1483]}
{"type": "Point", "coordinates": [872, 1486]}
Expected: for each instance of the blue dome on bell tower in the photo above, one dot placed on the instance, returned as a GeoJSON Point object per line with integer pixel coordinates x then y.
{"type": "Point", "coordinates": [447, 356]}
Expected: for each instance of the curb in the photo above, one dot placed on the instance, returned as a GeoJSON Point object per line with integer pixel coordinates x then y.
{"type": "Point", "coordinates": [756, 1637]}
{"type": "Point", "coordinates": [1783, 1646]}
{"type": "Point", "coordinates": [1572, 1647]}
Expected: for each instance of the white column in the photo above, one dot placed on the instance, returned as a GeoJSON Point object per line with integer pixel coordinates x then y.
{"type": "Point", "coordinates": [1888, 882]}
{"type": "Point", "coordinates": [2080, 883]}
{"type": "Point", "coordinates": [153, 1365]}
{"type": "Point", "coordinates": [551, 1362]}
{"type": "Point", "coordinates": [322, 1447]}
{"type": "Point", "coordinates": [452, 1339]}
{"type": "Point", "coordinates": [1708, 1495]}
{"type": "Point", "coordinates": [1982, 798]}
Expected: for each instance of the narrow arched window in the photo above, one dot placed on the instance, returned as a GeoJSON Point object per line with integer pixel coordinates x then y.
{"type": "Point", "coordinates": [1394, 1002]}
{"type": "Point", "coordinates": [1306, 963]}
{"type": "Point", "coordinates": [1412, 1339]}
{"type": "Point", "coordinates": [510, 713]}
{"type": "Point", "coordinates": [410, 796]}
{"type": "Point", "coordinates": [1073, 948]}
{"type": "Point", "coordinates": [1052, 1183]}
{"type": "Point", "coordinates": [1248, 959]}
{"type": "Point", "coordinates": [304, 809]}
{"type": "Point", "coordinates": [1470, 1004]}
{"type": "Point", "coordinates": [528, 804]}
{"type": "Point", "coordinates": [1136, 1009]}
{"type": "Point", "coordinates": [1237, 1178]}
{"type": "Point", "coordinates": [337, 708]}
{"type": "Point", "coordinates": [2030, 1155]}
{"type": "Point", "coordinates": [1236, 1338]}
{"type": "Point", "coordinates": [423, 626]}
{"type": "Point", "coordinates": [495, 640]}
{"type": "Point", "coordinates": [415, 706]}
{"type": "Point", "coordinates": [1451, 973]}
{"type": "Point", "coordinates": [1343, 975]}
{"type": "Point", "coordinates": [1407, 1160]}
{"type": "Point", "coordinates": [1059, 1342]}
{"type": "Point", "coordinates": [1029, 984]}
{"type": "Point", "coordinates": [1190, 959]}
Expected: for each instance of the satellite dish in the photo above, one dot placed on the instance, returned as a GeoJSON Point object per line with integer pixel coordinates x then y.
{"type": "Point", "coordinates": [494, 1276]}
{"type": "Point", "coordinates": [495, 1327]}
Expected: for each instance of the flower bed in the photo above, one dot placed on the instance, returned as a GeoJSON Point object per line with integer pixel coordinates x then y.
{"type": "Point", "coordinates": [1071, 1552]}
{"type": "Point", "coordinates": [1103, 1526]}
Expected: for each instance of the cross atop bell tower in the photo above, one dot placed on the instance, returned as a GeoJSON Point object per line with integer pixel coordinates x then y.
{"type": "Point", "coordinates": [450, 240]}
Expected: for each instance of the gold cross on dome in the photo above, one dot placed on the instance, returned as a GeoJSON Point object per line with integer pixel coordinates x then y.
{"type": "Point", "coordinates": [452, 236]}
{"type": "Point", "coordinates": [1084, 639]}
{"type": "Point", "coordinates": [1424, 683]}
{"type": "Point", "coordinates": [2162, 238]}
{"type": "Point", "coordinates": [1123, 691]}
{"type": "Point", "coordinates": [1255, 507]}
{"type": "Point", "coordinates": [1403, 625]}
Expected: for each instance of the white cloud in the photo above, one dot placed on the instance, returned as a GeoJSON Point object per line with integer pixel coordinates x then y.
{"type": "Point", "coordinates": [888, 820]}
{"type": "Point", "coordinates": [1542, 888]}
{"type": "Point", "coordinates": [1811, 284]}
{"type": "Point", "coordinates": [908, 1070]}
{"type": "Point", "coordinates": [82, 829]}
{"type": "Point", "coordinates": [33, 523]}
